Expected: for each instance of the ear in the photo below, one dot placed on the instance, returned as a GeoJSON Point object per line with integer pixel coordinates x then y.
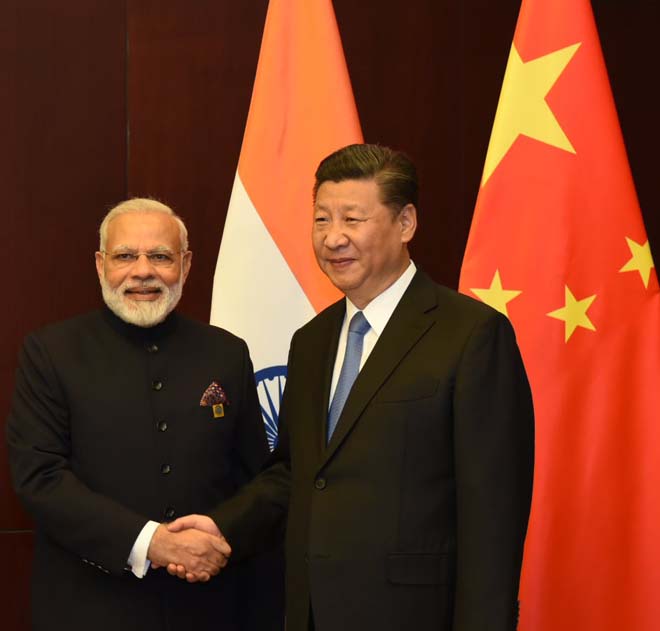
{"type": "Point", "coordinates": [186, 263]}
{"type": "Point", "coordinates": [407, 218]}
{"type": "Point", "coordinates": [98, 256]}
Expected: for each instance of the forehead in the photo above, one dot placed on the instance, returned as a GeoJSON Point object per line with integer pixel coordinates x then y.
{"type": "Point", "coordinates": [348, 194]}
{"type": "Point", "coordinates": [143, 229]}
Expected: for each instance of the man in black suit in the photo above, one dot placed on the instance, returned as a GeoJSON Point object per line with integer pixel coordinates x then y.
{"type": "Point", "coordinates": [407, 489]}
{"type": "Point", "coordinates": [123, 419]}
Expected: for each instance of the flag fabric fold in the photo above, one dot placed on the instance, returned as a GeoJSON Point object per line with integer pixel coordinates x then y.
{"type": "Point", "coordinates": [267, 283]}
{"type": "Point", "coordinates": [558, 244]}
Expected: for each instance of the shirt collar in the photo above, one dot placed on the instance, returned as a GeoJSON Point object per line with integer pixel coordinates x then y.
{"type": "Point", "coordinates": [380, 309]}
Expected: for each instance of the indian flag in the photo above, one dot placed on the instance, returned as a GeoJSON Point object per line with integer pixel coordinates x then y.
{"type": "Point", "coordinates": [267, 283]}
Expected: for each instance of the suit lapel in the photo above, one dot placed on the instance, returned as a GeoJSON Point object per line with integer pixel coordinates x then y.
{"type": "Point", "coordinates": [409, 322]}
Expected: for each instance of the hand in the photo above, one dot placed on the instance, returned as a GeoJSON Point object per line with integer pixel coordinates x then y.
{"type": "Point", "coordinates": [198, 522]}
{"type": "Point", "coordinates": [200, 553]}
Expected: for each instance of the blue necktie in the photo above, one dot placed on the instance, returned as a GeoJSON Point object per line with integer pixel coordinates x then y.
{"type": "Point", "coordinates": [349, 369]}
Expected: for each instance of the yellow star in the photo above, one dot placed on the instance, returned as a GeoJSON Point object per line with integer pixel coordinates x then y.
{"type": "Point", "coordinates": [495, 296]}
{"type": "Point", "coordinates": [641, 260]}
{"type": "Point", "coordinates": [522, 108]}
{"type": "Point", "coordinates": [574, 313]}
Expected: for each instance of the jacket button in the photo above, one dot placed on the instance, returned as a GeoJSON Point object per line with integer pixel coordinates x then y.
{"type": "Point", "coordinates": [319, 483]}
{"type": "Point", "coordinates": [161, 426]}
{"type": "Point", "coordinates": [152, 348]}
{"type": "Point", "coordinates": [165, 469]}
{"type": "Point", "coordinates": [157, 385]}
{"type": "Point", "coordinates": [169, 512]}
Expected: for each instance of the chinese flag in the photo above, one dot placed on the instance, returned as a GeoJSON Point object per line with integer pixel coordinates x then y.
{"type": "Point", "coordinates": [558, 244]}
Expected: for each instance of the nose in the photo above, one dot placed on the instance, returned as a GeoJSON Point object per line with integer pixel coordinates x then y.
{"type": "Point", "coordinates": [142, 268]}
{"type": "Point", "coordinates": [335, 237]}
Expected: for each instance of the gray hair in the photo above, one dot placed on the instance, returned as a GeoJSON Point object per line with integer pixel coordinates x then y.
{"type": "Point", "coordinates": [141, 205]}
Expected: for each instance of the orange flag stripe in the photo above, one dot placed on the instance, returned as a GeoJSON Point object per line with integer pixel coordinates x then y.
{"type": "Point", "coordinates": [302, 109]}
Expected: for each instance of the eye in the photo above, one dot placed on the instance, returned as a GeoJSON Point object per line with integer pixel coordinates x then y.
{"type": "Point", "coordinates": [160, 257]}
{"type": "Point", "coordinates": [124, 257]}
{"type": "Point", "coordinates": [320, 220]}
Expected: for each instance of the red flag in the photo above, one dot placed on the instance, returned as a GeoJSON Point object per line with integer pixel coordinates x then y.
{"type": "Point", "coordinates": [558, 244]}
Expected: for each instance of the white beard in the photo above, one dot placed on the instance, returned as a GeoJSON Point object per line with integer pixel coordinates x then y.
{"type": "Point", "coordinates": [143, 313]}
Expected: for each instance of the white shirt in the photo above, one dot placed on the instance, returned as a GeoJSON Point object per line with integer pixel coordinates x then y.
{"type": "Point", "coordinates": [378, 313]}
{"type": "Point", "coordinates": [137, 559]}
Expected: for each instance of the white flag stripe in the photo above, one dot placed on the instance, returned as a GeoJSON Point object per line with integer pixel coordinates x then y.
{"type": "Point", "coordinates": [255, 295]}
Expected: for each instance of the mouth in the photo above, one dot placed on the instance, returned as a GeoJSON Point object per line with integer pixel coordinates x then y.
{"type": "Point", "coordinates": [340, 263]}
{"type": "Point", "coordinates": [143, 293]}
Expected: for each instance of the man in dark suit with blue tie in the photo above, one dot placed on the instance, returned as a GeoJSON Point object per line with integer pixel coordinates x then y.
{"type": "Point", "coordinates": [406, 445]}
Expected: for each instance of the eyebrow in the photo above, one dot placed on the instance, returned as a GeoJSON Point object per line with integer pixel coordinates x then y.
{"type": "Point", "coordinates": [158, 248]}
{"type": "Point", "coordinates": [344, 207]}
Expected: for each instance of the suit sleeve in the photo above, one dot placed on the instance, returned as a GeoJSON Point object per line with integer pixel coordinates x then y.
{"type": "Point", "coordinates": [97, 529]}
{"type": "Point", "coordinates": [253, 520]}
{"type": "Point", "coordinates": [494, 452]}
{"type": "Point", "coordinates": [260, 599]}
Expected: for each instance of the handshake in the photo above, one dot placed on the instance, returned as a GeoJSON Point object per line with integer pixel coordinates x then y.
{"type": "Point", "coordinates": [191, 547]}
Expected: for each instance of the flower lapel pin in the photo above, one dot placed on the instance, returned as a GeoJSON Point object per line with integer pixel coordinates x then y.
{"type": "Point", "coordinates": [215, 398]}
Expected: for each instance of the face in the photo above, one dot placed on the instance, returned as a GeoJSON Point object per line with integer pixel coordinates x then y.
{"type": "Point", "coordinates": [144, 291]}
{"type": "Point", "coordinates": [359, 243]}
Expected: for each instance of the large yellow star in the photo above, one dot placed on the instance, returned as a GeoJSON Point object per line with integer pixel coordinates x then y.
{"type": "Point", "coordinates": [574, 313]}
{"type": "Point", "coordinates": [641, 260]}
{"type": "Point", "coordinates": [495, 295]}
{"type": "Point", "coordinates": [522, 108]}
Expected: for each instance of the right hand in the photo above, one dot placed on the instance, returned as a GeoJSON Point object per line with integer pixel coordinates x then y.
{"type": "Point", "coordinates": [200, 554]}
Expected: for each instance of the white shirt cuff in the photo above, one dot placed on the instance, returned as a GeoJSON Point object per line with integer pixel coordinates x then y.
{"type": "Point", "coordinates": [137, 559]}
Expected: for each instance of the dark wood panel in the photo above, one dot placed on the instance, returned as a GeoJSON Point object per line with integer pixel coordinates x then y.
{"type": "Point", "coordinates": [63, 125]}
{"type": "Point", "coordinates": [192, 67]}
{"type": "Point", "coordinates": [12, 515]}
{"type": "Point", "coordinates": [629, 39]}
{"type": "Point", "coordinates": [16, 552]}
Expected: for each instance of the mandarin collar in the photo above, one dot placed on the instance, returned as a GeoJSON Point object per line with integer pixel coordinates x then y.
{"type": "Point", "coordinates": [141, 334]}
